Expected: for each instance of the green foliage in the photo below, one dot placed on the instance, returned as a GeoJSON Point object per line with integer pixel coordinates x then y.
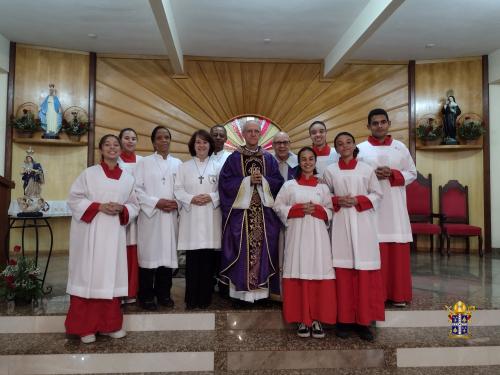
{"type": "Point", "coordinates": [471, 129]}
{"type": "Point", "coordinates": [429, 132]}
{"type": "Point", "coordinates": [20, 279]}
{"type": "Point", "coordinates": [76, 126]}
{"type": "Point", "coordinates": [26, 123]}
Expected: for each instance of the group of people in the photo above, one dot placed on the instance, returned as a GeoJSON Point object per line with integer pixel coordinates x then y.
{"type": "Point", "coordinates": [326, 231]}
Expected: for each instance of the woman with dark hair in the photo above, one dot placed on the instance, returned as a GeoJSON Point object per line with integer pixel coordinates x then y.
{"type": "Point", "coordinates": [356, 256]}
{"type": "Point", "coordinates": [128, 161]}
{"type": "Point", "coordinates": [200, 218]}
{"type": "Point", "coordinates": [157, 222]}
{"type": "Point", "coordinates": [102, 202]}
{"type": "Point", "coordinates": [304, 206]}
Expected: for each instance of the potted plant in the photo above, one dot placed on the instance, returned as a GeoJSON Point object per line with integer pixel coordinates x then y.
{"type": "Point", "coordinates": [19, 281]}
{"type": "Point", "coordinates": [26, 124]}
{"type": "Point", "coordinates": [471, 129]}
{"type": "Point", "coordinates": [77, 125]}
{"type": "Point", "coordinates": [429, 130]}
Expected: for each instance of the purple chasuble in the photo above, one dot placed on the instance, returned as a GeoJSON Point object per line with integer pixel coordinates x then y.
{"type": "Point", "coordinates": [249, 256]}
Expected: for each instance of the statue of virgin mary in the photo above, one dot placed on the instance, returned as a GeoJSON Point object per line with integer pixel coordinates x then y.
{"type": "Point", "coordinates": [51, 114]}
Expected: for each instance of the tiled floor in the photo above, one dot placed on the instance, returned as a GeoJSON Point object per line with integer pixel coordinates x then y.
{"type": "Point", "coordinates": [256, 341]}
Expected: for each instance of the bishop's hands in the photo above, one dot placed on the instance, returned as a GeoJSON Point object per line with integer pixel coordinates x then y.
{"type": "Point", "coordinates": [201, 199]}
{"type": "Point", "coordinates": [111, 208]}
{"type": "Point", "coordinates": [347, 201]}
{"type": "Point", "coordinates": [383, 173]}
{"type": "Point", "coordinates": [166, 205]}
{"type": "Point", "coordinates": [256, 177]}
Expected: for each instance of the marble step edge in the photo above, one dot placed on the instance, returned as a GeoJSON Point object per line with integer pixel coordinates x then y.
{"type": "Point", "coordinates": [132, 322]}
{"type": "Point", "coordinates": [387, 340]}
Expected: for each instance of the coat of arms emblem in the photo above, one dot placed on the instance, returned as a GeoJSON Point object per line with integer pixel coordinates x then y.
{"type": "Point", "coordinates": [459, 316]}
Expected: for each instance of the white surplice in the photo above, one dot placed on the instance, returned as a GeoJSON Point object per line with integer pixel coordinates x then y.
{"type": "Point", "coordinates": [97, 250]}
{"type": "Point", "coordinates": [220, 157]}
{"type": "Point", "coordinates": [323, 162]}
{"type": "Point", "coordinates": [308, 254]}
{"type": "Point", "coordinates": [354, 234]}
{"type": "Point", "coordinates": [199, 226]}
{"type": "Point", "coordinates": [132, 225]}
{"type": "Point", "coordinates": [157, 230]}
{"type": "Point", "coordinates": [393, 220]}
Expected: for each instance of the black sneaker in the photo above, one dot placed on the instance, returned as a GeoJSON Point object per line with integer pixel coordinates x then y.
{"type": "Point", "coordinates": [148, 305]}
{"type": "Point", "coordinates": [303, 330]}
{"type": "Point", "coordinates": [317, 330]}
{"type": "Point", "coordinates": [365, 333]}
{"type": "Point", "coordinates": [343, 330]}
{"type": "Point", "coordinates": [167, 302]}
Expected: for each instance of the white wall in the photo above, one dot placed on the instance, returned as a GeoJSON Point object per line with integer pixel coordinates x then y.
{"type": "Point", "coordinates": [494, 80]}
{"type": "Point", "coordinates": [4, 69]}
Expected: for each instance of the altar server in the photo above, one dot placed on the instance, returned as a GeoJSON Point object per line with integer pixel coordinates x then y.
{"type": "Point", "coordinates": [200, 218]}
{"type": "Point", "coordinates": [102, 202]}
{"type": "Point", "coordinates": [157, 222]}
{"type": "Point", "coordinates": [326, 155]}
{"type": "Point", "coordinates": [127, 162]}
{"type": "Point", "coordinates": [356, 257]}
{"type": "Point", "coordinates": [304, 206]}
{"type": "Point", "coordinates": [395, 169]}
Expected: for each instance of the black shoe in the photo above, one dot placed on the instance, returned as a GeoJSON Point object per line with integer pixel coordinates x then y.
{"type": "Point", "coordinates": [148, 305]}
{"type": "Point", "coordinates": [365, 333]}
{"type": "Point", "coordinates": [317, 330]}
{"type": "Point", "coordinates": [167, 302]}
{"type": "Point", "coordinates": [303, 330]}
{"type": "Point", "coordinates": [190, 306]}
{"type": "Point", "coordinates": [343, 330]}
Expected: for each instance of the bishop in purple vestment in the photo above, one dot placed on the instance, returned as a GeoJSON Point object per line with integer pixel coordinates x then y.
{"type": "Point", "coordinates": [248, 184]}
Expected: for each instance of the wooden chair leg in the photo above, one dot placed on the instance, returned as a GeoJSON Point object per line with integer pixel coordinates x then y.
{"type": "Point", "coordinates": [431, 238]}
{"type": "Point", "coordinates": [447, 244]}
{"type": "Point", "coordinates": [467, 245]}
{"type": "Point", "coordinates": [480, 240]}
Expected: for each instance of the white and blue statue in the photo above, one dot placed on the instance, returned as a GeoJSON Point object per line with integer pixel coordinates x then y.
{"type": "Point", "coordinates": [51, 114]}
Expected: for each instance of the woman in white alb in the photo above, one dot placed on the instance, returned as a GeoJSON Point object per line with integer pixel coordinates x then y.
{"type": "Point", "coordinates": [304, 206]}
{"type": "Point", "coordinates": [200, 218]}
{"type": "Point", "coordinates": [157, 222]}
{"type": "Point", "coordinates": [127, 162]}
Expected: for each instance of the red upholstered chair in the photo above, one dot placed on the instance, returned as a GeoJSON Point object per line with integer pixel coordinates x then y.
{"type": "Point", "coordinates": [419, 204]}
{"type": "Point", "coordinates": [454, 208]}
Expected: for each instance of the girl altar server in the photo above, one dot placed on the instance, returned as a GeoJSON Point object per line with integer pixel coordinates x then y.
{"type": "Point", "coordinates": [102, 202]}
{"type": "Point", "coordinates": [356, 256]}
{"type": "Point", "coordinates": [157, 222]}
{"type": "Point", "coordinates": [304, 206]}
{"type": "Point", "coordinates": [200, 218]}
{"type": "Point", "coordinates": [127, 162]}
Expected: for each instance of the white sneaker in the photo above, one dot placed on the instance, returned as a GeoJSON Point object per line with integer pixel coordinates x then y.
{"type": "Point", "coordinates": [87, 339]}
{"type": "Point", "coordinates": [303, 330]}
{"type": "Point", "coordinates": [399, 304]}
{"type": "Point", "coordinates": [115, 335]}
{"type": "Point", "coordinates": [317, 330]}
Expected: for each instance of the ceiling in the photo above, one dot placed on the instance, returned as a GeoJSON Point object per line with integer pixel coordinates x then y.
{"type": "Point", "coordinates": [298, 29]}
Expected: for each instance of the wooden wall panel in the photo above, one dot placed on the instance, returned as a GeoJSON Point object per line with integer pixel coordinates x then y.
{"type": "Point", "coordinates": [69, 71]}
{"type": "Point", "coordinates": [432, 81]}
{"type": "Point", "coordinates": [142, 94]}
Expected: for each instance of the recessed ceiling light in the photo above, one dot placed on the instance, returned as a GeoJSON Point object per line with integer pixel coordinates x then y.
{"type": "Point", "coordinates": [430, 45]}
{"type": "Point", "coordinates": [267, 40]}
{"type": "Point", "coordinates": [93, 36]}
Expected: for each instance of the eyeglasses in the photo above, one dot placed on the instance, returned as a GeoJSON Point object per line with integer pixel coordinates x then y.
{"type": "Point", "coordinates": [281, 143]}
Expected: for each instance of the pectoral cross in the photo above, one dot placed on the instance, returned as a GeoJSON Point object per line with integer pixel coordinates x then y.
{"type": "Point", "coordinates": [201, 179]}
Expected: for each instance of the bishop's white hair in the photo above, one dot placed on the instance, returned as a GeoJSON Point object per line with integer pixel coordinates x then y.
{"type": "Point", "coordinates": [246, 123]}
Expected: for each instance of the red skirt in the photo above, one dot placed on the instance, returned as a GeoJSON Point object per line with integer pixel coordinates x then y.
{"type": "Point", "coordinates": [307, 300]}
{"type": "Point", "coordinates": [396, 271]}
{"type": "Point", "coordinates": [360, 296]}
{"type": "Point", "coordinates": [88, 316]}
{"type": "Point", "coordinates": [133, 271]}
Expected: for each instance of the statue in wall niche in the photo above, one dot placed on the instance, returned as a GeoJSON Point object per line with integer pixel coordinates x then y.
{"type": "Point", "coordinates": [450, 112]}
{"type": "Point", "coordinates": [33, 179]}
{"type": "Point", "coordinates": [51, 114]}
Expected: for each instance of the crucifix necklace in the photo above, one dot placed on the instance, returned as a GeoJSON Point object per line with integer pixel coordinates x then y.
{"type": "Point", "coordinates": [162, 172]}
{"type": "Point", "coordinates": [201, 175]}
